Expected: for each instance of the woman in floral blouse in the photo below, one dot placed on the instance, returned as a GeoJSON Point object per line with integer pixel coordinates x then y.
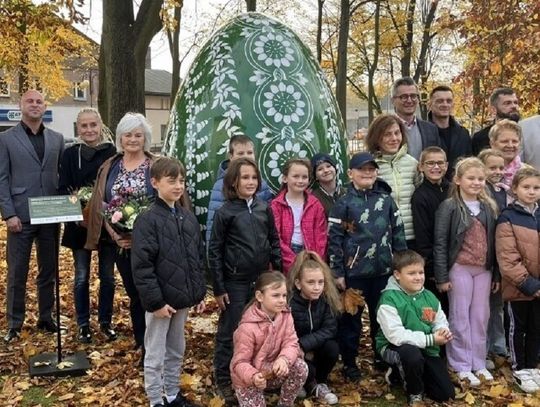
{"type": "Point", "coordinates": [126, 175]}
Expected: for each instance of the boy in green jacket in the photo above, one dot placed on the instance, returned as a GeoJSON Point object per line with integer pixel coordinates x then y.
{"type": "Point", "coordinates": [412, 326]}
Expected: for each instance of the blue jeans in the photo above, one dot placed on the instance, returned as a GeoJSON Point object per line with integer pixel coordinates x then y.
{"type": "Point", "coordinates": [82, 258]}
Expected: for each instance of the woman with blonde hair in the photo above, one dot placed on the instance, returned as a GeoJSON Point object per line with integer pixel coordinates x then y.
{"type": "Point", "coordinates": [78, 169]}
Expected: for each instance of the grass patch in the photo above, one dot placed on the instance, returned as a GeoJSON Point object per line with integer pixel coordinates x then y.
{"type": "Point", "coordinates": [37, 395]}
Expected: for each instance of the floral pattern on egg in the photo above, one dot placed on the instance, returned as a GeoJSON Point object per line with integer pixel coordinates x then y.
{"type": "Point", "coordinates": [254, 76]}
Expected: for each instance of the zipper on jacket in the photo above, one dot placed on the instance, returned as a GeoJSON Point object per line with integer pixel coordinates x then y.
{"type": "Point", "coordinates": [177, 220]}
{"type": "Point", "coordinates": [355, 256]}
{"type": "Point", "coordinates": [310, 317]}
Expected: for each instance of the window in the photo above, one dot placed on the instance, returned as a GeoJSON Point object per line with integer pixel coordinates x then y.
{"type": "Point", "coordinates": [4, 88]}
{"type": "Point", "coordinates": [79, 91]}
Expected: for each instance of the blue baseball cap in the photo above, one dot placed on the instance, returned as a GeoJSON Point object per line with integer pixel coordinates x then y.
{"type": "Point", "coordinates": [360, 159]}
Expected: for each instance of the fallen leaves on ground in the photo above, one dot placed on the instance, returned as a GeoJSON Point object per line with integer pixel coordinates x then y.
{"type": "Point", "coordinates": [115, 378]}
{"type": "Point", "coordinates": [352, 300]}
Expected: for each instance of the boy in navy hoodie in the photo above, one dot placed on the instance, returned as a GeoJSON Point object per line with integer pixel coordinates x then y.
{"type": "Point", "coordinates": [365, 228]}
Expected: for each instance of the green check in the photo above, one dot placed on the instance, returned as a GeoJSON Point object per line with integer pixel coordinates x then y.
{"type": "Point", "coordinates": [54, 209]}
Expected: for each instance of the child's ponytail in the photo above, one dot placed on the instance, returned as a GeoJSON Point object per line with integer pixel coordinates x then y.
{"type": "Point", "coordinates": [308, 259]}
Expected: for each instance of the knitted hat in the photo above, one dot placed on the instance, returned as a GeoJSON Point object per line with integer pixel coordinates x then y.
{"type": "Point", "coordinates": [320, 158]}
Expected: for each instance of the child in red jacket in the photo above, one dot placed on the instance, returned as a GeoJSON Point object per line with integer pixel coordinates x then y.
{"type": "Point", "coordinates": [266, 350]}
{"type": "Point", "coordinates": [299, 216]}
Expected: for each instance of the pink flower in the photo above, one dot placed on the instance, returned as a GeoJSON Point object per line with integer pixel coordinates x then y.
{"type": "Point", "coordinates": [116, 217]}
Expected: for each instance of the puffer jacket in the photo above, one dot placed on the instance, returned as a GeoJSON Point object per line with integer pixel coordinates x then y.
{"type": "Point", "coordinates": [365, 229]}
{"type": "Point", "coordinates": [259, 341]}
{"type": "Point", "coordinates": [217, 199]}
{"type": "Point", "coordinates": [244, 243]}
{"type": "Point", "coordinates": [518, 252]}
{"type": "Point", "coordinates": [314, 321]}
{"type": "Point", "coordinates": [167, 258]}
{"type": "Point", "coordinates": [452, 220]}
{"type": "Point", "coordinates": [313, 226]}
{"type": "Point", "coordinates": [399, 171]}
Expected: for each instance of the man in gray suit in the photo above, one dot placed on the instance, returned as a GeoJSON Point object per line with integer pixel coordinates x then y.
{"type": "Point", "coordinates": [29, 159]}
{"type": "Point", "coordinates": [420, 133]}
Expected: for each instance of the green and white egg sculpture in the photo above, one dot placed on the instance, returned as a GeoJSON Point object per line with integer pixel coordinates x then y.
{"type": "Point", "coordinates": [253, 76]}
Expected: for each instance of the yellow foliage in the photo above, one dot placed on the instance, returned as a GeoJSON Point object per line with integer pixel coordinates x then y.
{"type": "Point", "coordinates": [38, 44]}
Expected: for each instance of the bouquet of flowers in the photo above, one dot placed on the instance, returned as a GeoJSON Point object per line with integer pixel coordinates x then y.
{"type": "Point", "coordinates": [84, 194]}
{"type": "Point", "coordinates": [121, 212]}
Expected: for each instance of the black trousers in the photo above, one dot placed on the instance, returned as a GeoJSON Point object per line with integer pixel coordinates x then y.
{"type": "Point", "coordinates": [422, 374]}
{"type": "Point", "coordinates": [323, 361]}
{"type": "Point", "coordinates": [240, 293]}
{"type": "Point", "coordinates": [350, 326]}
{"type": "Point", "coordinates": [524, 333]}
{"type": "Point", "coordinates": [136, 310]}
{"type": "Point", "coordinates": [19, 247]}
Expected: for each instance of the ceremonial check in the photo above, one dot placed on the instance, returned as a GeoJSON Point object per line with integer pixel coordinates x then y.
{"type": "Point", "coordinates": [54, 209]}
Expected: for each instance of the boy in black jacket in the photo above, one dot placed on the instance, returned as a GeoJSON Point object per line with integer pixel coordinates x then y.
{"type": "Point", "coordinates": [167, 261]}
{"type": "Point", "coordinates": [424, 203]}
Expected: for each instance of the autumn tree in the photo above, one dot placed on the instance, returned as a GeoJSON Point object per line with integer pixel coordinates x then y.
{"type": "Point", "coordinates": [500, 48]}
{"type": "Point", "coordinates": [37, 43]}
{"type": "Point", "coordinates": [125, 38]}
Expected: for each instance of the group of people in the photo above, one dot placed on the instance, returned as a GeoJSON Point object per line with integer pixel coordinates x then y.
{"type": "Point", "coordinates": [423, 229]}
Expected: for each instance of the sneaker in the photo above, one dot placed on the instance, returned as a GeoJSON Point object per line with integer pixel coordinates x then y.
{"type": "Point", "coordinates": [180, 401]}
{"type": "Point", "coordinates": [323, 393]}
{"type": "Point", "coordinates": [473, 380]}
{"type": "Point", "coordinates": [416, 399]}
{"type": "Point", "coordinates": [484, 373]}
{"type": "Point", "coordinates": [85, 335]}
{"type": "Point", "coordinates": [490, 365]}
{"type": "Point", "coordinates": [351, 373]}
{"type": "Point", "coordinates": [12, 335]}
{"type": "Point", "coordinates": [109, 331]}
{"type": "Point", "coordinates": [47, 326]}
{"type": "Point", "coordinates": [525, 381]}
{"type": "Point", "coordinates": [393, 376]}
{"type": "Point", "coordinates": [535, 374]}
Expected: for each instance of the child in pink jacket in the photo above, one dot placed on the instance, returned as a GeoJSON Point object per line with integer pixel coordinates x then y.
{"type": "Point", "coordinates": [299, 215]}
{"type": "Point", "coordinates": [266, 350]}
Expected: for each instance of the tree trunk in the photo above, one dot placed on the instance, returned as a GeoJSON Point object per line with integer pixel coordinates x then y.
{"type": "Point", "coordinates": [374, 65]}
{"type": "Point", "coordinates": [124, 42]}
{"type": "Point", "coordinates": [251, 5]}
{"type": "Point", "coordinates": [174, 47]}
{"type": "Point", "coordinates": [341, 79]}
{"type": "Point", "coordinates": [408, 43]}
{"type": "Point", "coordinates": [426, 42]}
{"type": "Point", "coordinates": [320, 4]}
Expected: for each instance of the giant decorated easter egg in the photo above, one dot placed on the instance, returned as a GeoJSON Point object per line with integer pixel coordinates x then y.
{"type": "Point", "coordinates": [253, 76]}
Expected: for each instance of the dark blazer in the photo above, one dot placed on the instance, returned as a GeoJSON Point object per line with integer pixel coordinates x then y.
{"type": "Point", "coordinates": [22, 174]}
{"type": "Point", "coordinates": [429, 133]}
{"type": "Point", "coordinates": [456, 144]}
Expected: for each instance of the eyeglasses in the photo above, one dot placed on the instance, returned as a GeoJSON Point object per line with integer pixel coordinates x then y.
{"type": "Point", "coordinates": [431, 164]}
{"type": "Point", "coordinates": [405, 96]}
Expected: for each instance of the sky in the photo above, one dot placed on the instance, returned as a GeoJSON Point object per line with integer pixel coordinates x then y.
{"type": "Point", "coordinates": [198, 17]}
